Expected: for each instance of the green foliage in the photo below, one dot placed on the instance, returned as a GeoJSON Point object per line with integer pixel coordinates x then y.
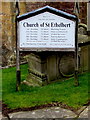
{"type": "Point", "coordinates": [64, 92]}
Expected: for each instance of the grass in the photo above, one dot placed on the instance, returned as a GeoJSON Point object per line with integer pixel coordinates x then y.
{"type": "Point", "coordinates": [0, 85]}
{"type": "Point", "coordinates": [64, 92]}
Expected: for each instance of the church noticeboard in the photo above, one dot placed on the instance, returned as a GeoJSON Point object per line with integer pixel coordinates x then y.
{"type": "Point", "coordinates": [47, 29]}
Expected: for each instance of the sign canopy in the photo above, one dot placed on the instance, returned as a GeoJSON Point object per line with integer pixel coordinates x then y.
{"type": "Point", "coordinates": [47, 29]}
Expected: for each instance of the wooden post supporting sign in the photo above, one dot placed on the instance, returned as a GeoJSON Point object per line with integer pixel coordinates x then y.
{"type": "Point", "coordinates": [17, 52]}
{"type": "Point", "coordinates": [76, 82]}
{"type": "Point", "coordinates": [88, 17]}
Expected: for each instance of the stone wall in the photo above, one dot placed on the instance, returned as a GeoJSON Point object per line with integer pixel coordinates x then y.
{"type": "Point", "coordinates": [8, 31]}
{"type": "Point", "coordinates": [64, 6]}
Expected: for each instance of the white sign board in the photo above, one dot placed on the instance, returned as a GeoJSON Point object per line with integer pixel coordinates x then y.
{"type": "Point", "coordinates": [47, 30]}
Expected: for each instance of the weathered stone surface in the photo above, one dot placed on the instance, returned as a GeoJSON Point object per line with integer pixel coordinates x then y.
{"type": "Point", "coordinates": [7, 18]}
{"type": "Point", "coordinates": [85, 58]}
{"type": "Point", "coordinates": [66, 65]}
{"type": "Point", "coordinates": [46, 67]}
{"type": "Point", "coordinates": [4, 118]}
{"type": "Point", "coordinates": [37, 70]}
{"type": "Point", "coordinates": [82, 38]}
{"type": "Point", "coordinates": [0, 115]}
{"type": "Point", "coordinates": [84, 114]}
{"type": "Point", "coordinates": [53, 112]}
{"type": "Point", "coordinates": [82, 29]}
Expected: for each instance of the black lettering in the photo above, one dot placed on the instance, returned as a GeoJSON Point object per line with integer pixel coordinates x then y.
{"type": "Point", "coordinates": [26, 24]}
{"type": "Point", "coordinates": [47, 24]}
{"type": "Point", "coordinates": [59, 25]}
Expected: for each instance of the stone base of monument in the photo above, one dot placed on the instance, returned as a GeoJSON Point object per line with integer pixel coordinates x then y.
{"type": "Point", "coordinates": [44, 67]}
{"type": "Point", "coordinates": [36, 70]}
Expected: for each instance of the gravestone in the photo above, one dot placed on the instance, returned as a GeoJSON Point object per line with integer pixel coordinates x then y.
{"type": "Point", "coordinates": [85, 57]}
{"type": "Point", "coordinates": [84, 45]}
{"type": "Point", "coordinates": [48, 34]}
